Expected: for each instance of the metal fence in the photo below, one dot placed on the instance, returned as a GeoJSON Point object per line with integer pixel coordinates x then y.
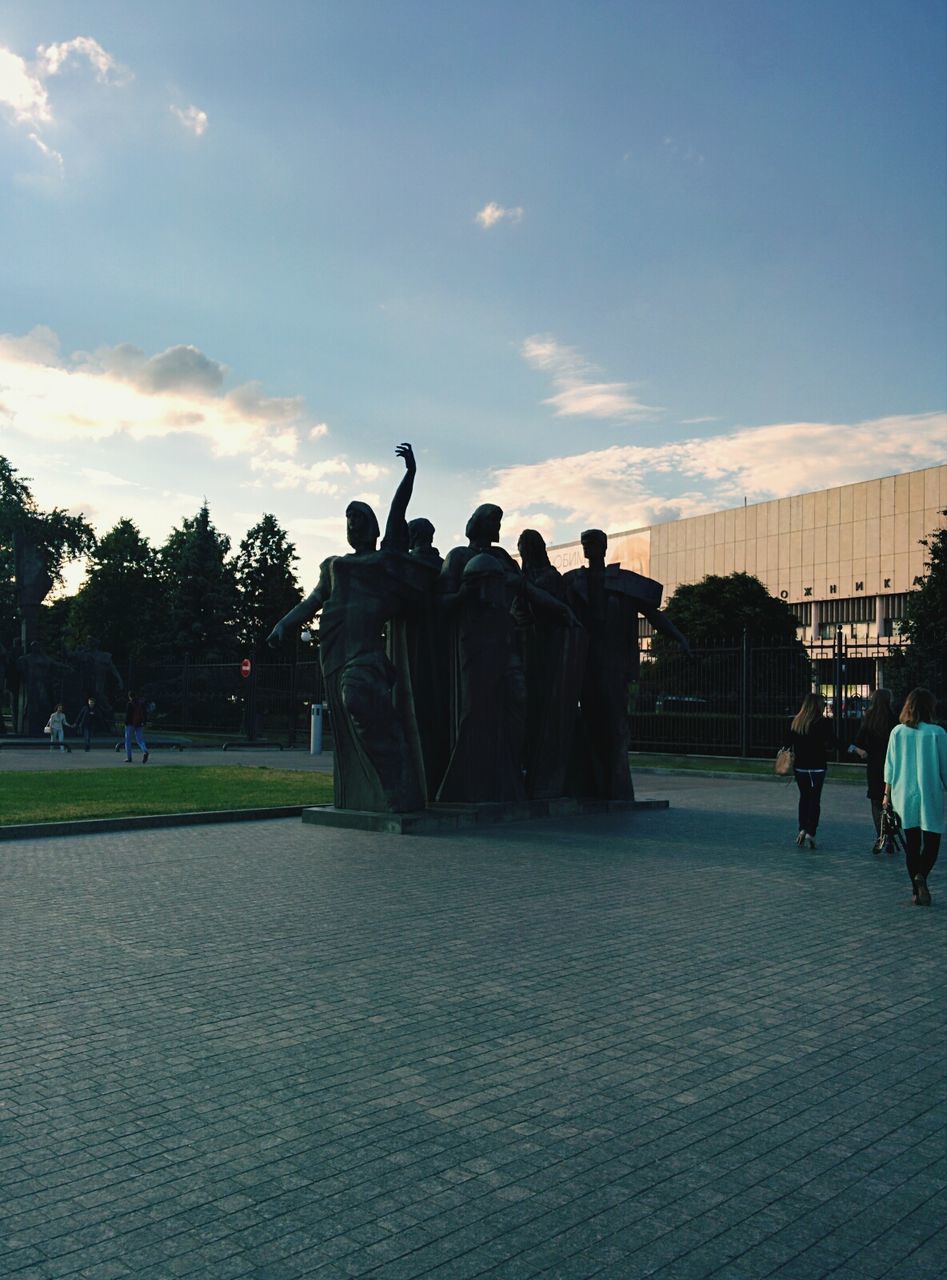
{"type": "Point", "coordinates": [732, 699]}
{"type": "Point", "coordinates": [272, 702]}
{"type": "Point", "coordinates": [738, 699]}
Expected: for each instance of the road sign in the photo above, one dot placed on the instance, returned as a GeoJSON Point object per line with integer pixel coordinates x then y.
{"type": "Point", "coordinates": [245, 667]}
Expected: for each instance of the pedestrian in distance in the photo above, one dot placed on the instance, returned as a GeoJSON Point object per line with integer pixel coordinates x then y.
{"type": "Point", "coordinates": [871, 745]}
{"type": "Point", "coordinates": [915, 781]}
{"type": "Point", "coordinates": [134, 727]}
{"type": "Point", "coordinates": [57, 726]}
{"type": "Point", "coordinates": [811, 738]}
{"type": "Point", "coordinates": [86, 722]}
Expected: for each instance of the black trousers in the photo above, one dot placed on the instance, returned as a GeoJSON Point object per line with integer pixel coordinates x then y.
{"type": "Point", "coordinates": [921, 850]}
{"type": "Point", "coordinates": [809, 782]}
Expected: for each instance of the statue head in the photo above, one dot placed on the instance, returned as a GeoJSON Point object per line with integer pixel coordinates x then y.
{"type": "Point", "coordinates": [484, 525]}
{"type": "Point", "coordinates": [420, 534]}
{"type": "Point", "coordinates": [484, 573]}
{"type": "Point", "coordinates": [532, 549]}
{"type": "Point", "coordinates": [594, 544]}
{"type": "Point", "coordinates": [361, 526]}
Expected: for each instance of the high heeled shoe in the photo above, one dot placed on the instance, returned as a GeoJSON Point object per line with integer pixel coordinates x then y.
{"type": "Point", "coordinates": [810, 841]}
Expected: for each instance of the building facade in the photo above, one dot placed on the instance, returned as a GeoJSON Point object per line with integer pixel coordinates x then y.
{"type": "Point", "coordinates": [844, 557]}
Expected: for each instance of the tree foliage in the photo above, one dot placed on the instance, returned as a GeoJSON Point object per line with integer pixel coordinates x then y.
{"type": "Point", "coordinates": [200, 591]}
{"type": "Point", "coordinates": [714, 614]}
{"type": "Point", "coordinates": [58, 536]}
{"type": "Point", "coordinates": [266, 581]}
{"type": "Point", "coordinates": [925, 626]}
{"type": "Point", "coordinates": [719, 608]}
{"type": "Point", "coordinates": [119, 605]}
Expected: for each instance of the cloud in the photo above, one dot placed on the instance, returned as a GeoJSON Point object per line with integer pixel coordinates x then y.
{"type": "Point", "coordinates": [53, 57]}
{"type": "Point", "coordinates": [192, 118]}
{"type": "Point", "coordinates": [107, 479]}
{"type": "Point", "coordinates": [578, 394]}
{"type": "Point", "coordinates": [21, 91]}
{"type": "Point", "coordinates": [122, 391]}
{"type": "Point", "coordinates": [493, 213]}
{"type": "Point", "coordinates": [23, 88]}
{"type": "Point", "coordinates": [627, 486]}
{"type": "Point", "coordinates": [693, 422]}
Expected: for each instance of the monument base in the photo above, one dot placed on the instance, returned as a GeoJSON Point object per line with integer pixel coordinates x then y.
{"type": "Point", "coordinates": [438, 818]}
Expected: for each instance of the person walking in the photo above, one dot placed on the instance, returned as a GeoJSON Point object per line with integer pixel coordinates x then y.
{"type": "Point", "coordinates": [134, 727]}
{"type": "Point", "coordinates": [871, 745]}
{"type": "Point", "coordinates": [86, 722]}
{"type": "Point", "coordinates": [57, 726]}
{"type": "Point", "coordinates": [811, 737]}
{"type": "Point", "coordinates": [915, 780]}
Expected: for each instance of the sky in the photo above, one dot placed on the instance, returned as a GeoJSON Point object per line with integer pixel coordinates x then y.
{"type": "Point", "coordinates": [606, 264]}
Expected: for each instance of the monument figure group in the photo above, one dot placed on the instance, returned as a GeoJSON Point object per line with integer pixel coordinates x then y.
{"type": "Point", "coordinates": [474, 678]}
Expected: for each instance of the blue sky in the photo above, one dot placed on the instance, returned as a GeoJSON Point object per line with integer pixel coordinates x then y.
{"type": "Point", "coordinates": [606, 263]}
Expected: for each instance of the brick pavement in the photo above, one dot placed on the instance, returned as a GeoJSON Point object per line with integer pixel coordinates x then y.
{"type": "Point", "coordinates": [664, 1044]}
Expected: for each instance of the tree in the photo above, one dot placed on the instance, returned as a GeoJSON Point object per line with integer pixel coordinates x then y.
{"type": "Point", "coordinates": [200, 591]}
{"type": "Point", "coordinates": [266, 581]}
{"type": "Point", "coordinates": [719, 608]}
{"type": "Point", "coordinates": [119, 605]}
{"type": "Point", "coordinates": [58, 537]}
{"type": "Point", "coordinates": [925, 626]}
{"type": "Point", "coordinates": [714, 614]}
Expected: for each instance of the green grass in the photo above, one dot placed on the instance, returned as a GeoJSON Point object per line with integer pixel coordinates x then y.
{"type": "Point", "coordinates": [62, 796]}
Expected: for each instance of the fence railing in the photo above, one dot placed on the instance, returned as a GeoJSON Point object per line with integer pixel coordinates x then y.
{"type": "Point", "coordinates": [732, 699]}
{"type": "Point", "coordinates": [738, 699]}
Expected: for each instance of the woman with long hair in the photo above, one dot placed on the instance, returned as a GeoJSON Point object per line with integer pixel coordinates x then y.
{"type": "Point", "coordinates": [871, 745]}
{"type": "Point", "coordinates": [810, 736]}
{"type": "Point", "coordinates": [915, 780]}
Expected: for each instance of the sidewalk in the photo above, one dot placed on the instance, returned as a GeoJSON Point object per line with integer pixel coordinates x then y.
{"type": "Point", "coordinates": [665, 1044]}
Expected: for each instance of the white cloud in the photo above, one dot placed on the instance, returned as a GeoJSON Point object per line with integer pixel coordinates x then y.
{"type": "Point", "coordinates": [23, 88]}
{"type": "Point", "coordinates": [21, 91]}
{"type": "Point", "coordinates": [493, 213]}
{"type": "Point", "coordinates": [122, 391]}
{"type": "Point", "coordinates": [53, 57]}
{"type": "Point", "coordinates": [626, 486]}
{"type": "Point", "coordinates": [578, 394]}
{"type": "Point", "coordinates": [107, 479]}
{"type": "Point", "coordinates": [192, 118]}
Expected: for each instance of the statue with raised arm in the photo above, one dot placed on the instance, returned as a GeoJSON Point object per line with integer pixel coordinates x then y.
{"type": "Point", "coordinates": [377, 760]}
{"type": "Point", "coordinates": [607, 600]}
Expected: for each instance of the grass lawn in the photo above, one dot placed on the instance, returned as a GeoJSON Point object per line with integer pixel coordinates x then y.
{"type": "Point", "coordinates": [92, 793]}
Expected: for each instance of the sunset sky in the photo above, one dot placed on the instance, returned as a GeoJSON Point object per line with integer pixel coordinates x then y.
{"type": "Point", "coordinates": [606, 262]}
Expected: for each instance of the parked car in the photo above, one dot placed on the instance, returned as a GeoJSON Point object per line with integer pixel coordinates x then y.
{"type": "Point", "coordinates": [681, 702]}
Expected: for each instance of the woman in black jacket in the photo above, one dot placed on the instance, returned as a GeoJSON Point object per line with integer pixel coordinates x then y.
{"type": "Point", "coordinates": [871, 744]}
{"type": "Point", "coordinates": [811, 737]}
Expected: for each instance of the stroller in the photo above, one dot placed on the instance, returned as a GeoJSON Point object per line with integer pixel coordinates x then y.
{"type": "Point", "coordinates": [891, 838]}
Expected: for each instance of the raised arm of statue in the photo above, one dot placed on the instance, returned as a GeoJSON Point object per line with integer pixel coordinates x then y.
{"type": "Point", "coordinates": [661, 622]}
{"type": "Point", "coordinates": [306, 609]}
{"type": "Point", "coordinates": [396, 526]}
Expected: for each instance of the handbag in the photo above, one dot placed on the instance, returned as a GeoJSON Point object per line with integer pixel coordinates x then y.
{"type": "Point", "coordinates": [47, 729]}
{"type": "Point", "coordinates": [785, 761]}
{"type": "Point", "coordinates": [891, 837]}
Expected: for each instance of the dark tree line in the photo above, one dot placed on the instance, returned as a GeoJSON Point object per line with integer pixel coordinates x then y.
{"type": "Point", "coordinates": [190, 597]}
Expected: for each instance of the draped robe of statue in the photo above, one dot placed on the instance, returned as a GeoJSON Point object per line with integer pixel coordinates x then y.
{"type": "Point", "coordinates": [607, 600]}
{"type": "Point", "coordinates": [488, 692]}
{"type": "Point", "coordinates": [376, 752]}
{"type": "Point", "coordinates": [425, 640]}
{"type": "Point", "coordinates": [555, 655]}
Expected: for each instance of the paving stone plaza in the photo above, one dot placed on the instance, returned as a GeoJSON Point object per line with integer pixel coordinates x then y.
{"type": "Point", "coordinates": [662, 1044]}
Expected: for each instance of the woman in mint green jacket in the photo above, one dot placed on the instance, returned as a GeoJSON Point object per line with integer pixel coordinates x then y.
{"type": "Point", "coordinates": [915, 780]}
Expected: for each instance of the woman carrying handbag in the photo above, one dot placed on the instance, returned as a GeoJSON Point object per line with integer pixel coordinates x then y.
{"type": "Point", "coordinates": [915, 780]}
{"type": "Point", "coordinates": [810, 737]}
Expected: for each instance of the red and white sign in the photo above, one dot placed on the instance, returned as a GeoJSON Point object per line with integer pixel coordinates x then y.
{"type": "Point", "coordinates": [245, 667]}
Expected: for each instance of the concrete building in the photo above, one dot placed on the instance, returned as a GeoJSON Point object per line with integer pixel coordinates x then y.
{"type": "Point", "coordinates": [845, 557]}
